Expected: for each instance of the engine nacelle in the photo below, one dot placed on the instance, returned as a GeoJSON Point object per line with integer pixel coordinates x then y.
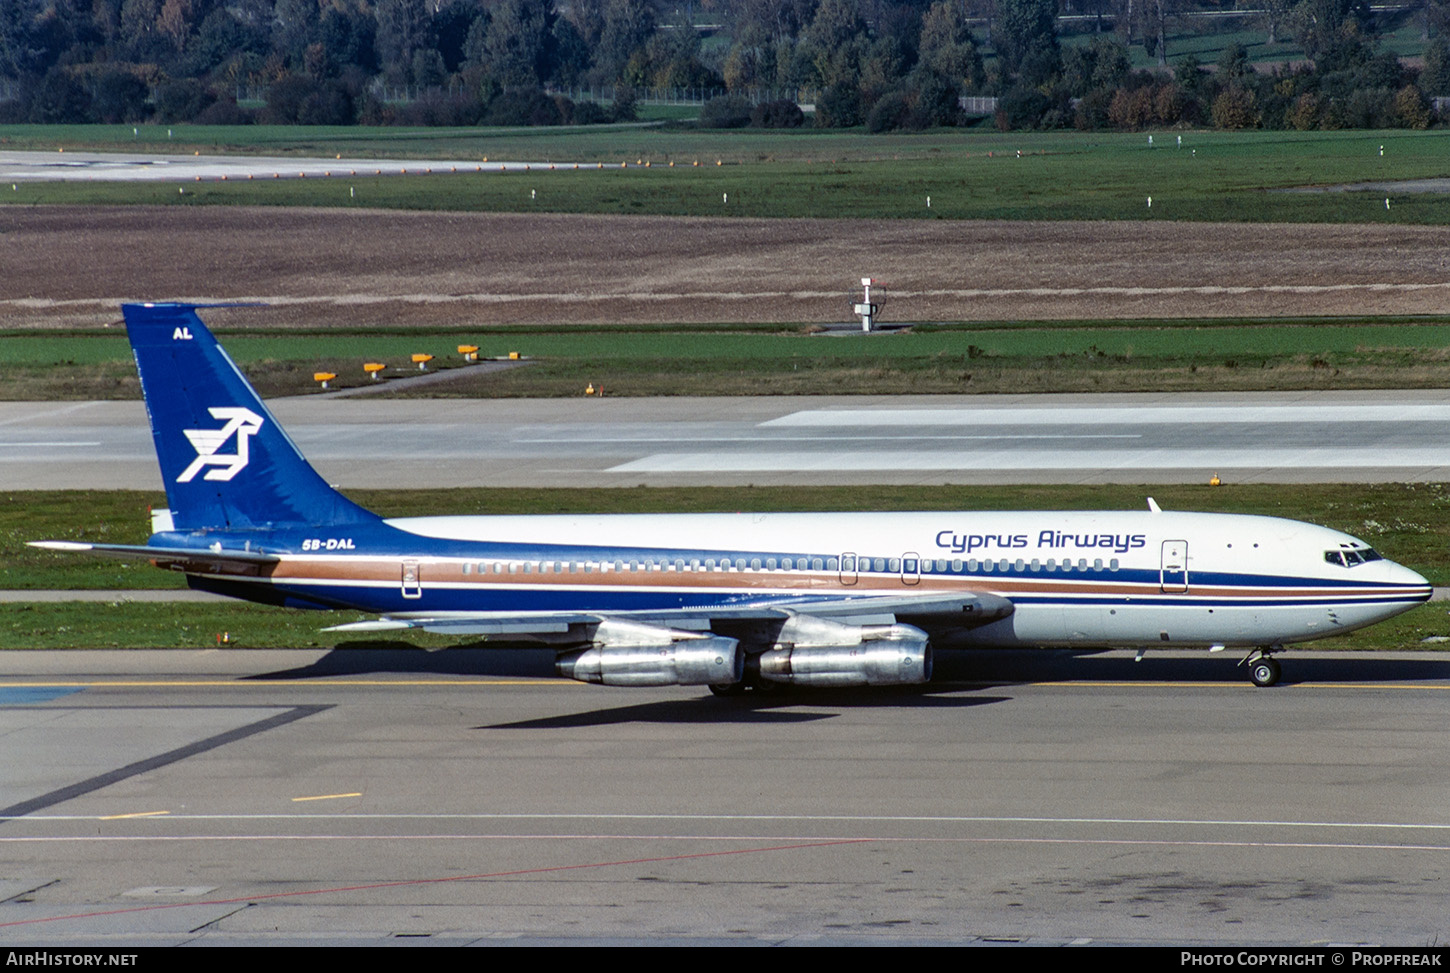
{"type": "Point", "coordinates": [881, 655]}
{"type": "Point", "coordinates": [709, 661]}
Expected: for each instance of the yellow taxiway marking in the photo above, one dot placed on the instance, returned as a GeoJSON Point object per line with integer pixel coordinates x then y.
{"type": "Point", "coordinates": [327, 797]}
{"type": "Point", "coordinates": [136, 814]}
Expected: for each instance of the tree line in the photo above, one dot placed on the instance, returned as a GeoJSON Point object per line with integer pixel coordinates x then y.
{"type": "Point", "coordinates": [884, 64]}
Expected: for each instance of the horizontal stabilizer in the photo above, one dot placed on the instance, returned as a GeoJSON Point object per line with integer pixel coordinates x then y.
{"type": "Point", "coordinates": [191, 555]}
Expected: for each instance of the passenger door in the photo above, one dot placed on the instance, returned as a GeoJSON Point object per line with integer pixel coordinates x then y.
{"type": "Point", "coordinates": [1173, 572]}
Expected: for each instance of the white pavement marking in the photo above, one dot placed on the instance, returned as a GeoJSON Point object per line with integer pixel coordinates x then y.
{"type": "Point", "coordinates": [816, 439]}
{"type": "Point", "coordinates": [44, 411]}
{"type": "Point", "coordinates": [1147, 459]}
{"type": "Point", "coordinates": [1157, 414]}
{"type": "Point", "coordinates": [808, 818]}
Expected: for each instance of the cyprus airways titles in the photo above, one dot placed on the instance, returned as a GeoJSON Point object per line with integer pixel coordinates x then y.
{"type": "Point", "coordinates": [729, 601]}
{"type": "Point", "coordinates": [1047, 539]}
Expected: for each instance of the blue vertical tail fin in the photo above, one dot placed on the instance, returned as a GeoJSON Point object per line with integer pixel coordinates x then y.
{"type": "Point", "coordinates": [225, 461]}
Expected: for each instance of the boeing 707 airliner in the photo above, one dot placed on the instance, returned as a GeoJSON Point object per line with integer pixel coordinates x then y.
{"type": "Point", "coordinates": [729, 601]}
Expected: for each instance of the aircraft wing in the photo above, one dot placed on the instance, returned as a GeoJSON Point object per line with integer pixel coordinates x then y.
{"type": "Point", "coordinates": [929, 609]}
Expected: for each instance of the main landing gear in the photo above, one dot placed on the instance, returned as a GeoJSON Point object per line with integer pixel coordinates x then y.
{"type": "Point", "coordinates": [748, 685]}
{"type": "Point", "coordinates": [1264, 669]}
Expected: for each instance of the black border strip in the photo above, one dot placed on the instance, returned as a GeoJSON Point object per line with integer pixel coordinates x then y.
{"type": "Point", "coordinates": [290, 715]}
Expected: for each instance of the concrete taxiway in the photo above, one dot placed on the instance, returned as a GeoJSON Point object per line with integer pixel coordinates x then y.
{"type": "Point", "coordinates": [1141, 438]}
{"type": "Point", "coordinates": [372, 796]}
{"type": "Point", "coordinates": [63, 166]}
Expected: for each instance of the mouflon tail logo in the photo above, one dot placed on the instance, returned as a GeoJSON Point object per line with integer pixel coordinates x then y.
{"type": "Point", "coordinates": [241, 423]}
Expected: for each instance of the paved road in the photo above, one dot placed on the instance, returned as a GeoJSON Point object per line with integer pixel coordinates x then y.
{"type": "Point", "coordinates": [363, 796]}
{"type": "Point", "coordinates": [19, 167]}
{"type": "Point", "coordinates": [1148, 438]}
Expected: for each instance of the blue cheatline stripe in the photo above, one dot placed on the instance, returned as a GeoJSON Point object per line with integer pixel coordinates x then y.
{"type": "Point", "coordinates": [26, 695]}
{"type": "Point", "coordinates": [521, 597]}
{"type": "Point", "coordinates": [534, 554]}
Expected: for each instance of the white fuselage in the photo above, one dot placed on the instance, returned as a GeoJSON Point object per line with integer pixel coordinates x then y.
{"type": "Point", "coordinates": [1077, 579]}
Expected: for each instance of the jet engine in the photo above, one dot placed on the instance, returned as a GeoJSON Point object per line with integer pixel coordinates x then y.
{"type": "Point", "coordinates": [810, 651]}
{"type": "Point", "coordinates": [633, 654]}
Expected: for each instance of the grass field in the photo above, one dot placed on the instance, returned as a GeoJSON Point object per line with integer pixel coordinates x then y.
{"type": "Point", "coordinates": [1408, 522]}
{"type": "Point", "coordinates": [701, 360]}
{"type": "Point", "coordinates": [973, 175]}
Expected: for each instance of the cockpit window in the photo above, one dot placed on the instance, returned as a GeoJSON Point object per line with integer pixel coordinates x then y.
{"type": "Point", "coordinates": [1349, 558]}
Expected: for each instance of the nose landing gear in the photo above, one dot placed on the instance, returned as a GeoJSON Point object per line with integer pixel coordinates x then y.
{"type": "Point", "coordinates": [1264, 669]}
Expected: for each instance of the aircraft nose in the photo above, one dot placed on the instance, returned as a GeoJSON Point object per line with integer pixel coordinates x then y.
{"type": "Point", "coordinates": [1398, 574]}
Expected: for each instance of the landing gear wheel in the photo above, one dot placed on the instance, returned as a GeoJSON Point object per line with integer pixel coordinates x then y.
{"type": "Point", "coordinates": [729, 689]}
{"type": "Point", "coordinates": [1264, 671]}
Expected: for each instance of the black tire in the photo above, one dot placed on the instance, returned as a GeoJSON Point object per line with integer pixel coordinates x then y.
{"type": "Point", "coordinates": [1264, 672]}
{"type": "Point", "coordinates": [729, 689]}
